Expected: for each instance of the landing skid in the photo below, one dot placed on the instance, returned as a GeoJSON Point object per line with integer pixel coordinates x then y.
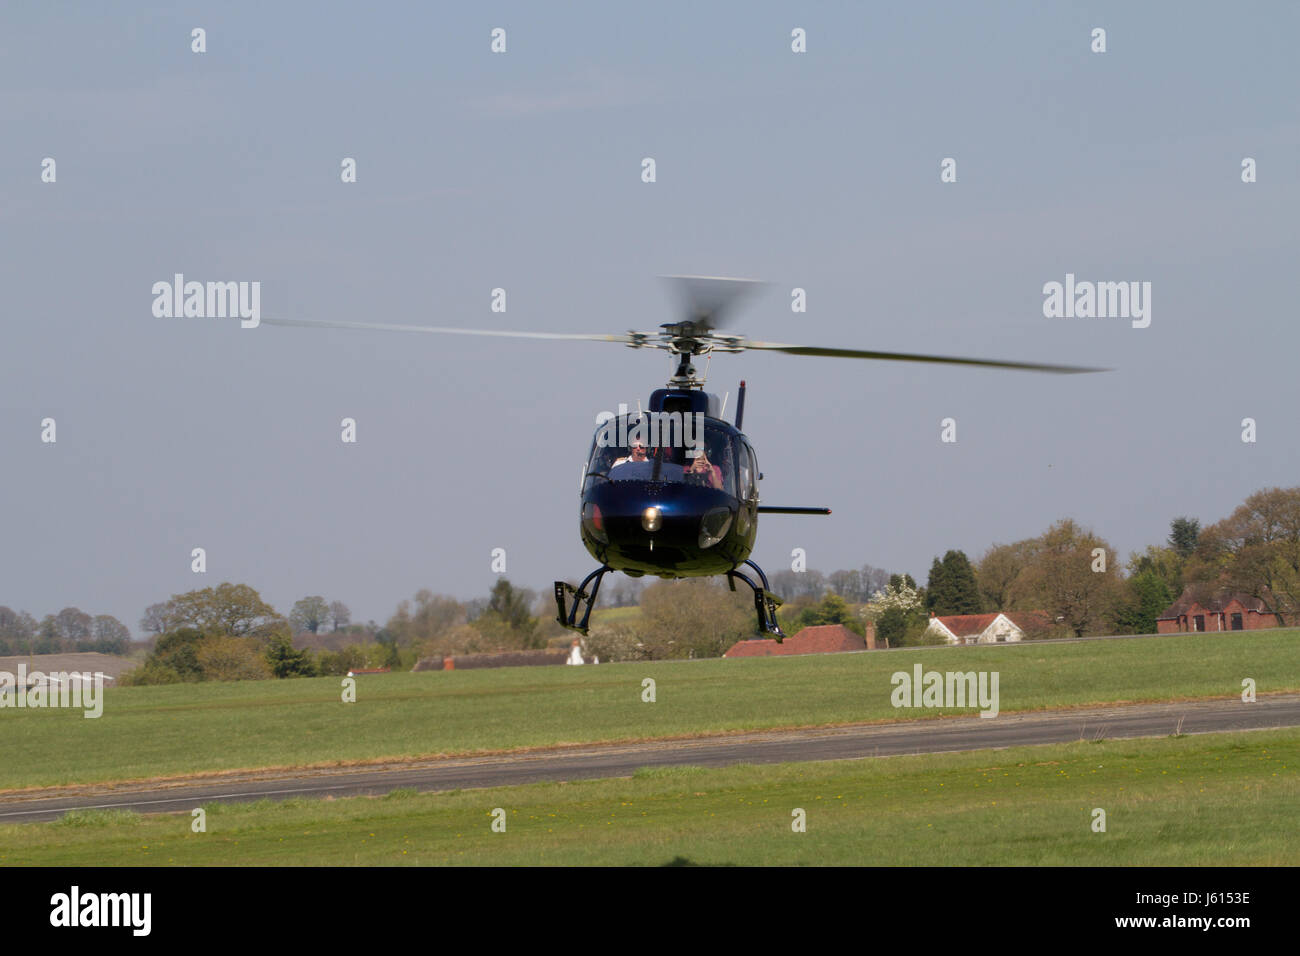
{"type": "Point", "coordinates": [765, 602]}
{"type": "Point", "coordinates": [568, 615]}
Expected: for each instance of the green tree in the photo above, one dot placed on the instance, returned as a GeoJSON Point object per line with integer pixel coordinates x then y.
{"type": "Point", "coordinates": [1148, 597]}
{"type": "Point", "coordinates": [226, 658]}
{"type": "Point", "coordinates": [507, 621]}
{"type": "Point", "coordinates": [284, 661]}
{"type": "Point", "coordinates": [900, 581]}
{"type": "Point", "coordinates": [898, 611]}
{"type": "Point", "coordinates": [388, 641]}
{"type": "Point", "coordinates": [1183, 534]}
{"type": "Point", "coordinates": [175, 657]}
{"type": "Point", "coordinates": [339, 663]}
{"type": "Point", "coordinates": [233, 610]}
{"type": "Point", "coordinates": [952, 588]}
{"type": "Point", "coordinates": [513, 604]}
{"type": "Point", "coordinates": [1069, 580]}
{"type": "Point", "coordinates": [891, 626]}
{"type": "Point", "coordinates": [832, 609]}
{"type": "Point", "coordinates": [936, 586]}
{"type": "Point", "coordinates": [196, 624]}
{"type": "Point", "coordinates": [1164, 563]}
{"type": "Point", "coordinates": [1256, 549]}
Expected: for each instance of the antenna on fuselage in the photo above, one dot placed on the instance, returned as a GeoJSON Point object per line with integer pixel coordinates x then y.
{"type": "Point", "coordinates": [740, 406]}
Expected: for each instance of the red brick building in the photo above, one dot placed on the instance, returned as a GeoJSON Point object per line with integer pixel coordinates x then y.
{"type": "Point", "coordinates": [822, 639]}
{"type": "Point", "coordinates": [1220, 611]}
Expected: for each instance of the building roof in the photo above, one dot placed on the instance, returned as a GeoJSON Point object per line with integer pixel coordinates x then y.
{"type": "Point", "coordinates": [1211, 601]}
{"type": "Point", "coordinates": [1030, 620]}
{"type": "Point", "coordinates": [973, 625]}
{"type": "Point", "coordinates": [967, 625]}
{"type": "Point", "coordinates": [820, 639]}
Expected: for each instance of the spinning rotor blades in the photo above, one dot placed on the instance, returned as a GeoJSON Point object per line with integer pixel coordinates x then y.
{"type": "Point", "coordinates": [707, 302]}
{"type": "Point", "coordinates": [330, 324]}
{"type": "Point", "coordinates": [913, 357]}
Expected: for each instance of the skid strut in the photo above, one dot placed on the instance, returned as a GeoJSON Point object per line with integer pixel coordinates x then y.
{"type": "Point", "coordinates": [567, 616]}
{"type": "Point", "coordinates": [765, 602]}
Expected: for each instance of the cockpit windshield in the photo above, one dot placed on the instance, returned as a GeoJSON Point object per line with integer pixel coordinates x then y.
{"type": "Point", "coordinates": [633, 448]}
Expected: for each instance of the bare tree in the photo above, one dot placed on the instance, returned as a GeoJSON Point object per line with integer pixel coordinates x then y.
{"type": "Point", "coordinates": [109, 634]}
{"type": "Point", "coordinates": [17, 631]}
{"type": "Point", "coordinates": [693, 617]}
{"type": "Point", "coordinates": [998, 569]}
{"type": "Point", "coordinates": [424, 623]}
{"type": "Point", "coordinates": [858, 586]}
{"type": "Point", "coordinates": [621, 591]}
{"type": "Point", "coordinates": [309, 614]}
{"type": "Point", "coordinates": [340, 615]}
{"type": "Point", "coordinates": [156, 619]}
{"type": "Point", "coordinates": [73, 627]}
{"type": "Point", "coordinates": [797, 584]}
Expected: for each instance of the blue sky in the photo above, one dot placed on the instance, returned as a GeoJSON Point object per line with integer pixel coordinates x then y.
{"type": "Point", "coordinates": [522, 170]}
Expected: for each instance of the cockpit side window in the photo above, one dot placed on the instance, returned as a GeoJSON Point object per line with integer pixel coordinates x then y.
{"type": "Point", "coordinates": [747, 474]}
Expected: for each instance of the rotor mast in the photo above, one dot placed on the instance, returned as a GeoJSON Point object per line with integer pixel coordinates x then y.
{"type": "Point", "coordinates": [684, 341]}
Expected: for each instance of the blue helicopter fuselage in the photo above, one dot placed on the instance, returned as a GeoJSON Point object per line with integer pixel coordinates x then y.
{"type": "Point", "coordinates": [667, 500]}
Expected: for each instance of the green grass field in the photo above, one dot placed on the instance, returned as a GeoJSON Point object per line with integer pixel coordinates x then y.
{"type": "Point", "coordinates": [162, 731]}
{"type": "Point", "coordinates": [1211, 800]}
{"type": "Point", "coordinates": [612, 615]}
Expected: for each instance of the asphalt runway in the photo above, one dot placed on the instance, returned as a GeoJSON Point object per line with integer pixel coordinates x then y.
{"type": "Point", "coordinates": [621, 760]}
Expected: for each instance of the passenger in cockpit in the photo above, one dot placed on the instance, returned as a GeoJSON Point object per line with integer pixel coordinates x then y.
{"type": "Point", "coordinates": [702, 466]}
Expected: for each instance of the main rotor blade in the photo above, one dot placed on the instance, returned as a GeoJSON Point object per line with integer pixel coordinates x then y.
{"type": "Point", "coordinates": [382, 327]}
{"type": "Point", "coordinates": [913, 357]}
{"type": "Point", "coordinates": [708, 300]}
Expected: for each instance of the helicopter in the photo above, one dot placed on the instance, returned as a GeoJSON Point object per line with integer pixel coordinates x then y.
{"type": "Point", "coordinates": [672, 490]}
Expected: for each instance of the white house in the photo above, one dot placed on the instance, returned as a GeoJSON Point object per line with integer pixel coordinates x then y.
{"type": "Point", "coordinates": [997, 628]}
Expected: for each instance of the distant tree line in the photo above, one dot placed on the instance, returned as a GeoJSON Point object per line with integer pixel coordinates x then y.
{"type": "Point", "coordinates": [1069, 572]}
{"type": "Point", "coordinates": [71, 630]}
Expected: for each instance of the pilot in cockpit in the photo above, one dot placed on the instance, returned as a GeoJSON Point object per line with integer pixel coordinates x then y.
{"type": "Point", "coordinates": [638, 454]}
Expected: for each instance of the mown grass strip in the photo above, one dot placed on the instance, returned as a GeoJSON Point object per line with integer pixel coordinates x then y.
{"type": "Point", "coordinates": [1204, 800]}
{"type": "Point", "coordinates": [161, 731]}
